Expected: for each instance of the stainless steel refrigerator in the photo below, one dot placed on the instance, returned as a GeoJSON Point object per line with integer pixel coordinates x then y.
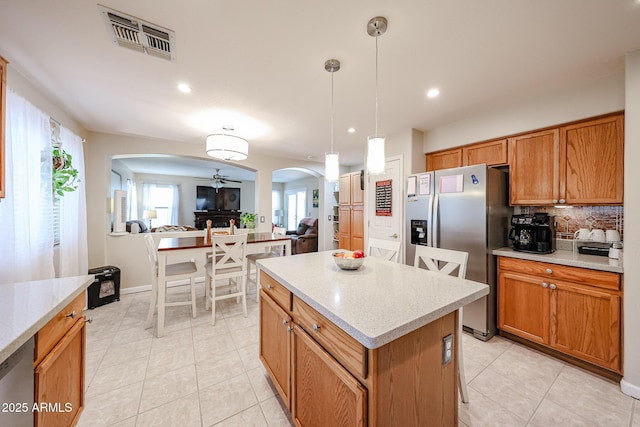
{"type": "Point", "coordinates": [463, 209]}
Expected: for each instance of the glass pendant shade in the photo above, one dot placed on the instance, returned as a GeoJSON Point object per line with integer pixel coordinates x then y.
{"type": "Point", "coordinates": [227, 147]}
{"type": "Point", "coordinates": [331, 167]}
{"type": "Point", "coordinates": [375, 155]}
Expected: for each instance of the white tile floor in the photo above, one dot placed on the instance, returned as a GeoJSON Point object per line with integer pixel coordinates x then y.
{"type": "Point", "coordinates": [203, 375]}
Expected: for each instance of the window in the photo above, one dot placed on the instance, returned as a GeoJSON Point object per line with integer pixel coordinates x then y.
{"type": "Point", "coordinates": [164, 200]}
{"type": "Point", "coordinates": [296, 202]}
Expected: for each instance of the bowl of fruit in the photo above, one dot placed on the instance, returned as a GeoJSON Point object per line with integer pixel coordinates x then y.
{"type": "Point", "coordinates": [349, 260]}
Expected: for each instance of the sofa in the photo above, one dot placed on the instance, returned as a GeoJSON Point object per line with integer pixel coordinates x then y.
{"type": "Point", "coordinates": [305, 238]}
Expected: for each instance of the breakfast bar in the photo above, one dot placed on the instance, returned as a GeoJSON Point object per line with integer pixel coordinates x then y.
{"type": "Point", "coordinates": [379, 338]}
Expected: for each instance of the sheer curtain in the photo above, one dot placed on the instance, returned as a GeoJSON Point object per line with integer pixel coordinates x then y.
{"type": "Point", "coordinates": [26, 214]}
{"type": "Point", "coordinates": [73, 213]}
{"type": "Point", "coordinates": [173, 207]}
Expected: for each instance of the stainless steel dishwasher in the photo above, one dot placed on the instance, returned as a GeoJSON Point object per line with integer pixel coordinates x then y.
{"type": "Point", "coordinates": [17, 387]}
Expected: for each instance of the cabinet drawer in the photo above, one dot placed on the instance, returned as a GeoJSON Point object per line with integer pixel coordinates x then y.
{"type": "Point", "coordinates": [275, 290]}
{"type": "Point", "coordinates": [600, 279]}
{"type": "Point", "coordinates": [349, 352]}
{"type": "Point", "coordinates": [52, 332]}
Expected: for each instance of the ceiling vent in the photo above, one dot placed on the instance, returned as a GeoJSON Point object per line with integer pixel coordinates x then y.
{"type": "Point", "coordinates": [136, 34]}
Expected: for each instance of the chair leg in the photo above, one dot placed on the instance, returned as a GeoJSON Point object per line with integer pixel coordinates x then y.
{"type": "Point", "coordinates": [212, 299]}
{"type": "Point", "coordinates": [462, 380]}
{"type": "Point", "coordinates": [152, 304]}
{"type": "Point", "coordinates": [192, 282]}
{"type": "Point", "coordinates": [257, 285]}
{"type": "Point", "coordinates": [207, 291]}
{"type": "Point", "coordinates": [244, 295]}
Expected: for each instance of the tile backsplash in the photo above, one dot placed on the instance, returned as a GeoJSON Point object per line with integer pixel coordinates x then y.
{"type": "Point", "coordinates": [571, 219]}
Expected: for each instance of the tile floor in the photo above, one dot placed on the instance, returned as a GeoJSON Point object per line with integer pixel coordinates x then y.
{"type": "Point", "coordinates": [203, 375]}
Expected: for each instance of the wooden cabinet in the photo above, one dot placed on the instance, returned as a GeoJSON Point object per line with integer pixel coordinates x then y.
{"type": "Point", "coordinates": [444, 159]}
{"type": "Point", "coordinates": [59, 367]}
{"type": "Point", "coordinates": [491, 153]}
{"type": "Point", "coordinates": [578, 164]}
{"type": "Point", "coordinates": [3, 113]}
{"type": "Point", "coordinates": [327, 378]}
{"type": "Point", "coordinates": [572, 310]}
{"type": "Point", "coordinates": [351, 209]}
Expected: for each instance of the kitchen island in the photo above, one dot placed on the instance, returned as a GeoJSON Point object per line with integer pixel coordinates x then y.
{"type": "Point", "coordinates": [372, 346]}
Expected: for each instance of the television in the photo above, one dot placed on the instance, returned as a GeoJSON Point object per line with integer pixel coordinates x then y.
{"type": "Point", "coordinates": [225, 199]}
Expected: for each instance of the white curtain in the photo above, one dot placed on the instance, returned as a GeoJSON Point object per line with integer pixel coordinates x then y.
{"type": "Point", "coordinates": [175, 204]}
{"type": "Point", "coordinates": [26, 214]}
{"type": "Point", "coordinates": [73, 213]}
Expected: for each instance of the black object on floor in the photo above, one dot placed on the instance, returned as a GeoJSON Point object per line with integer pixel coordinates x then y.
{"type": "Point", "coordinates": [105, 287]}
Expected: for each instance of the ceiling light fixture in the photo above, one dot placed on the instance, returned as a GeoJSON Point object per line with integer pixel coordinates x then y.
{"type": "Point", "coordinates": [375, 144]}
{"type": "Point", "coordinates": [226, 146]}
{"type": "Point", "coordinates": [184, 88]}
{"type": "Point", "coordinates": [432, 93]}
{"type": "Point", "coordinates": [351, 130]}
{"type": "Point", "coordinates": [331, 159]}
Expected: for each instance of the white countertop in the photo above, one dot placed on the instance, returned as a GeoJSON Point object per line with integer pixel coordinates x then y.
{"type": "Point", "coordinates": [379, 302]}
{"type": "Point", "coordinates": [26, 307]}
{"type": "Point", "coordinates": [570, 258]}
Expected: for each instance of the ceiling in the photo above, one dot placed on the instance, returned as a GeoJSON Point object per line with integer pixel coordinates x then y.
{"type": "Point", "coordinates": [259, 66]}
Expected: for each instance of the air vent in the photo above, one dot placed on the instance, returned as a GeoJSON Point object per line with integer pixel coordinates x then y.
{"type": "Point", "coordinates": [136, 34]}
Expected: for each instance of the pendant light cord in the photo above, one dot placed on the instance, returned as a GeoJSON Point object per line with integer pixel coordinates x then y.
{"type": "Point", "coordinates": [376, 86]}
{"type": "Point", "coordinates": [332, 112]}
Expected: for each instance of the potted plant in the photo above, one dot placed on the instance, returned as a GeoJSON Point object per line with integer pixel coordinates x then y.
{"type": "Point", "coordinates": [65, 176]}
{"type": "Point", "coordinates": [248, 220]}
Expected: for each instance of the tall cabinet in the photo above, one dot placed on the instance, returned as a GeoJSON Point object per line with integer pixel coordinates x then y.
{"type": "Point", "coordinates": [351, 212]}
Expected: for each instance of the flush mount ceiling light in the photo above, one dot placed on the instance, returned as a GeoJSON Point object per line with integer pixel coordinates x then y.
{"type": "Point", "coordinates": [375, 144]}
{"type": "Point", "coordinates": [433, 93]}
{"type": "Point", "coordinates": [331, 159]}
{"type": "Point", "coordinates": [184, 88]}
{"type": "Point", "coordinates": [226, 146]}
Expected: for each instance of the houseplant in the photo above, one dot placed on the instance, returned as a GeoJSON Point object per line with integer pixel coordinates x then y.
{"type": "Point", "coordinates": [65, 176]}
{"type": "Point", "coordinates": [248, 219]}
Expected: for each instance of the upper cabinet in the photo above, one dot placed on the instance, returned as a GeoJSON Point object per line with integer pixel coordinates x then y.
{"type": "Point", "coordinates": [3, 85]}
{"type": "Point", "coordinates": [492, 153]}
{"type": "Point", "coordinates": [578, 164]}
{"type": "Point", "coordinates": [444, 159]}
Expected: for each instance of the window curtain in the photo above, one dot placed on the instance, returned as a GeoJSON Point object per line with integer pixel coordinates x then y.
{"type": "Point", "coordinates": [73, 213]}
{"type": "Point", "coordinates": [173, 207]}
{"type": "Point", "coordinates": [26, 214]}
{"type": "Point", "coordinates": [147, 202]}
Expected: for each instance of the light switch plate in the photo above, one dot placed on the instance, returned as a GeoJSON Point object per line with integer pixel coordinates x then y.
{"type": "Point", "coordinates": [447, 349]}
{"type": "Point", "coordinates": [261, 218]}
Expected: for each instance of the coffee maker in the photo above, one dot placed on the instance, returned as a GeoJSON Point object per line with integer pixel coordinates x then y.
{"type": "Point", "coordinates": [533, 233]}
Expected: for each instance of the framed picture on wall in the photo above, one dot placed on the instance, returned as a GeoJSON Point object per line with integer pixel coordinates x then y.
{"type": "Point", "coordinates": [316, 197]}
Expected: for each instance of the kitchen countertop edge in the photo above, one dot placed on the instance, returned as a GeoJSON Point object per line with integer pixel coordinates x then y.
{"type": "Point", "coordinates": [29, 330]}
{"type": "Point", "coordinates": [568, 258]}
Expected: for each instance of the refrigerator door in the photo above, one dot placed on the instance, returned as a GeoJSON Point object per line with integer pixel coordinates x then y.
{"type": "Point", "coordinates": [460, 223]}
{"type": "Point", "coordinates": [418, 208]}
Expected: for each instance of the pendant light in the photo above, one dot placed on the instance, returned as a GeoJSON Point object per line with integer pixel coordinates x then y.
{"type": "Point", "coordinates": [227, 146]}
{"type": "Point", "coordinates": [332, 158]}
{"type": "Point", "coordinates": [375, 144]}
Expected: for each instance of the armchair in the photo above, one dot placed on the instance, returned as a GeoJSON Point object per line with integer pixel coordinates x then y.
{"type": "Point", "coordinates": [305, 237]}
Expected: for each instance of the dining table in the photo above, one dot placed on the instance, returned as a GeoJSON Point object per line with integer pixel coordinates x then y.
{"type": "Point", "coordinates": [197, 248]}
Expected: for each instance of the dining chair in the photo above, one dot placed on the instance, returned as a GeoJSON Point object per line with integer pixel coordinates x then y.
{"type": "Point", "coordinates": [229, 263]}
{"type": "Point", "coordinates": [446, 261]}
{"type": "Point", "coordinates": [175, 271]}
{"type": "Point", "coordinates": [386, 249]}
{"type": "Point", "coordinates": [271, 252]}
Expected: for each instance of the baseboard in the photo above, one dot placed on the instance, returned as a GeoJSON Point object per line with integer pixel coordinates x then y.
{"type": "Point", "coordinates": [145, 288]}
{"type": "Point", "coordinates": [630, 389]}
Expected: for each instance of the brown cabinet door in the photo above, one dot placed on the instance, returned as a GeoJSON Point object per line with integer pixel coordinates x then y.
{"type": "Point", "coordinates": [344, 228]}
{"type": "Point", "coordinates": [491, 153]}
{"type": "Point", "coordinates": [357, 228]}
{"type": "Point", "coordinates": [275, 345]}
{"type": "Point", "coordinates": [593, 168]}
{"type": "Point", "coordinates": [59, 380]}
{"type": "Point", "coordinates": [444, 159]}
{"type": "Point", "coordinates": [324, 393]}
{"type": "Point", "coordinates": [585, 322]}
{"type": "Point", "coordinates": [357, 193]}
{"type": "Point", "coordinates": [523, 306]}
{"type": "Point", "coordinates": [344, 196]}
{"type": "Point", "coordinates": [535, 168]}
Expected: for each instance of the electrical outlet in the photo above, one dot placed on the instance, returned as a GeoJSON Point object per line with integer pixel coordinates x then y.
{"type": "Point", "coordinates": [447, 349]}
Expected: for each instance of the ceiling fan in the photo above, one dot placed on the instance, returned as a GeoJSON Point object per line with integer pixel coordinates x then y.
{"type": "Point", "coordinates": [217, 180]}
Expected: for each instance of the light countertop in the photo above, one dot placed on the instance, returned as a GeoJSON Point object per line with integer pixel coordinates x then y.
{"type": "Point", "coordinates": [564, 257]}
{"type": "Point", "coordinates": [379, 302]}
{"type": "Point", "coordinates": [27, 306]}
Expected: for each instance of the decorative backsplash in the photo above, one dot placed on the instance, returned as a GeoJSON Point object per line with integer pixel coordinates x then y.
{"type": "Point", "coordinates": [571, 219]}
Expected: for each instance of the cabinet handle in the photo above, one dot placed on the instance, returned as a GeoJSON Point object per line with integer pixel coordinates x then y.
{"type": "Point", "coordinates": [552, 286]}
{"type": "Point", "coordinates": [269, 287]}
{"type": "Point", "coordinates": [562, 201]}
{"type": "Point", "coordinates": [284, 322]}
{"type": "Point", "coordinates": [72, 315]}
{"type": "Point", "coordinates": [554, 201]}
{"type": "Point", "coordinates": [316, 328]}
{"type": "Point", "coordinates": [289, 328]}
{"type": "Point", "coordinates": [549, 271]}
{"type": "Point", "coordinates": [545, 284]}
{"type": "Point", "coordinates": [89, 319]}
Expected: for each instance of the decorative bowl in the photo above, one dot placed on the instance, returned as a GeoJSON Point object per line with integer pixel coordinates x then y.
{"type": "Point", "coordinates": [347, 263]}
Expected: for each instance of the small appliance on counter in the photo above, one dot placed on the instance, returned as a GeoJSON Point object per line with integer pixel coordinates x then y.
{"type": "Point", "coordinates": [533, 233]}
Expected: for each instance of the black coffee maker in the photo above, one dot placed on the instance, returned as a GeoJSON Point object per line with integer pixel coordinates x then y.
{"type": "Point", "coordinates": [533, 233]}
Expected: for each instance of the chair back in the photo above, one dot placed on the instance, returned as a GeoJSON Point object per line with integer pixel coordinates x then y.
{"type": "Point", "coordinates": [279, 230]}
{"type": "Point", "coordinates": [229, 250]}
{"type": "Point", "coordinates": [152, 250]}
{"type": "Point", "coordinates": [386, 249]}
{"type": "Point", "coordinates": [450, 260]}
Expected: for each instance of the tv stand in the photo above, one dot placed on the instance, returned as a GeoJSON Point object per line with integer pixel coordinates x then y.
{"type": "Point", "coordinates": [218, 218]}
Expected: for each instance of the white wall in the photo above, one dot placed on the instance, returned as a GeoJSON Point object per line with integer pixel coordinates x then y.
{"type": "Point", "coordinates": [631, 339]}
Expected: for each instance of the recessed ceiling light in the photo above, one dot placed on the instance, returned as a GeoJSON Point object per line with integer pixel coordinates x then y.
{"type": "Point", "coordinates": [351, 130]}
{"type": "Point", "coordinates": [184, 88]}
{"type": "Point", "coordinates": [432, 93]}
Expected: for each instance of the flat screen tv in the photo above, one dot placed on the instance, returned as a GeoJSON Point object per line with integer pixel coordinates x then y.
{"type": "Point", "coordinates": [225, 199]}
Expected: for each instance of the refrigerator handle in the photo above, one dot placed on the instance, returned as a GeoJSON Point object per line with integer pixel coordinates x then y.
{"type": "Point", "coordinates": [430, 222]}
{"type": "Point", "coordinates": [435, 226]}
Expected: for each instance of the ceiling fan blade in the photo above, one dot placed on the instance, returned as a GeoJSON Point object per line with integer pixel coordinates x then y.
{"type": "Point", "coordinates": [233, 180]}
